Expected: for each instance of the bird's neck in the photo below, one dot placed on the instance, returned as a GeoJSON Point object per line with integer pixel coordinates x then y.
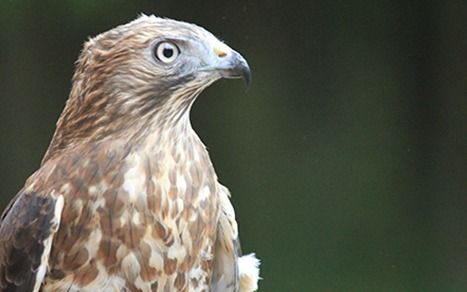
{"type": "Point", "coordinates": [169, 126]}
{"type": "Point", "coordinates": [166, 136]}
{"type": "Point", "coordinates": [174, 157]}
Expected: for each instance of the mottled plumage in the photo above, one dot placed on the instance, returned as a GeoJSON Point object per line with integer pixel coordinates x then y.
{"type": "Point", "coordinates": [126, 197]}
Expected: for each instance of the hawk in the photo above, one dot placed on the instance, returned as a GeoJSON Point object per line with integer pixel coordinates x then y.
{"type": "Point", "coordinates": [126, 197]}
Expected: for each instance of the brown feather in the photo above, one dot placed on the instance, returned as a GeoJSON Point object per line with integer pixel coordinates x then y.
{"type": "Point", "coordinates": [142, 203]}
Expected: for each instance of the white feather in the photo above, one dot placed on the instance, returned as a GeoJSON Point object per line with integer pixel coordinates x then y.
{"type": "Point", "coordinates": [248, 269]}
{"type": "Point", "coordinates": [48, 243]}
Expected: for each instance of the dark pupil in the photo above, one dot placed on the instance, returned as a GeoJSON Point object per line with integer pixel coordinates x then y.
{"type": "Point", "coordinates": [168, 52]}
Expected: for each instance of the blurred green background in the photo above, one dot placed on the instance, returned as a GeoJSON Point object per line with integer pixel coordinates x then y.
{"type": "Point", "coordinates": [347, 157]}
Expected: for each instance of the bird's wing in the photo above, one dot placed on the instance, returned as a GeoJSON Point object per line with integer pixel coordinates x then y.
{"type": "Point", "coordinates": [27, 228]}
{"type": "Point", "coordinates": [232, 272]}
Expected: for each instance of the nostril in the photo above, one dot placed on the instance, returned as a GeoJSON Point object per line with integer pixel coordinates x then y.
{"type": "Point", "coordinates": [220, 53]}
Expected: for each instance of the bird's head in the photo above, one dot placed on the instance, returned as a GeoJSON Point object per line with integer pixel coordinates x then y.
{"type": "Point", "coordinates": [151, 63]}
{"type": "Point", "coordinates": [150, 69]}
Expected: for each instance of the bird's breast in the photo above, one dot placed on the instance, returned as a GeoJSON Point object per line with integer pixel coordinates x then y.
{"type": "Point", "coordinates": [147, 222]}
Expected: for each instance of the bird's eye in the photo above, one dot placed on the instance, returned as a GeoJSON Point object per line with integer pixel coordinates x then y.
{"type": "Point", "coordinates": [167, 52]}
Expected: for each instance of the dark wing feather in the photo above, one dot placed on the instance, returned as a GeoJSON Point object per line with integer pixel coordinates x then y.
{"type": "Point", "coordinates": [27, 222]}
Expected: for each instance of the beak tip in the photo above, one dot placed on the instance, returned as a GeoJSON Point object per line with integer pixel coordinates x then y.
{"type": "Point", "coordinates": [247, 76]}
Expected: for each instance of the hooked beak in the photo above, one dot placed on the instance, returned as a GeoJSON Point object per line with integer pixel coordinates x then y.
{"type": "Point", "coordinates": [232, 65]}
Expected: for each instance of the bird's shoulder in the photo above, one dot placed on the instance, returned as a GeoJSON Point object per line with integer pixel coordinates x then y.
{"type": "Point", "coordinates": [28, 226]}
{"type": "Point", "coordinates": [31, 220]}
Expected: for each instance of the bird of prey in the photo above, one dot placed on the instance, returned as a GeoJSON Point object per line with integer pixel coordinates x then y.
{"type": "Point", "coordinates": [126, 197]}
